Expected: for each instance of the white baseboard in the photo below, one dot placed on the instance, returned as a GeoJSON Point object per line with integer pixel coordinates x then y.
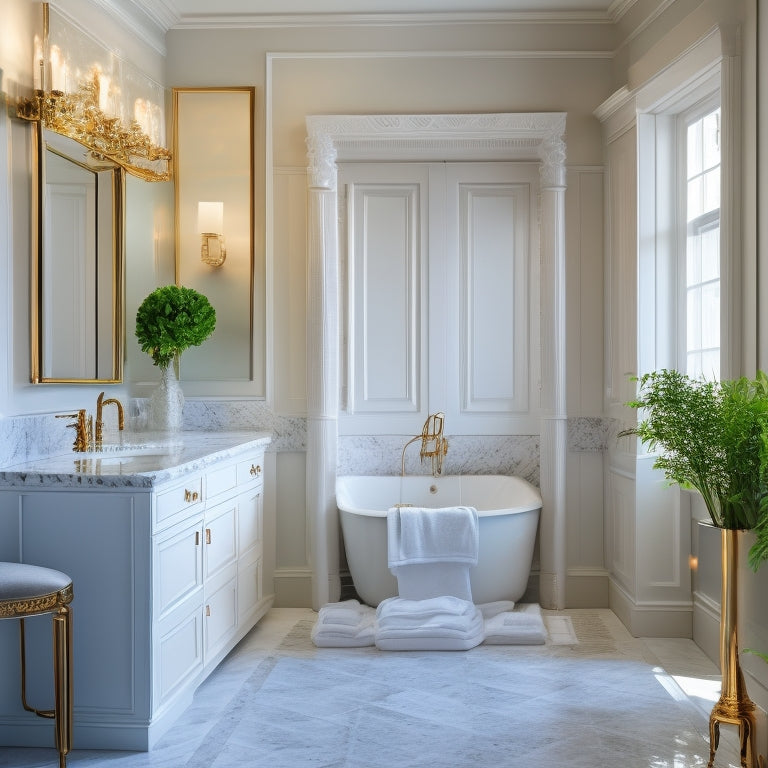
{"type": "Point", "coordinates": [586, 588]}
{"type": "Point", "coordinates": [293, 588]}
{"type": "Point", "coordinates": [650, 619]}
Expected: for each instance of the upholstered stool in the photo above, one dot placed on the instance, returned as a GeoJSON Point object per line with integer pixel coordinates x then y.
{"type": "Point", "coordinates": [29, 590]}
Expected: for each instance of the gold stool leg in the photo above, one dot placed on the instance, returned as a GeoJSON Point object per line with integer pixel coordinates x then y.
{"type": "Point", "coordinates": [23, 652]}
{"type": "Point", "coordinates": [62, 669]}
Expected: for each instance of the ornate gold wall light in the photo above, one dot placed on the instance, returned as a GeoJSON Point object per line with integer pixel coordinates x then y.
{"type": "Point", "coordinates": [210, 223]}
{"type": "Point", "coordinates": [81, 116]}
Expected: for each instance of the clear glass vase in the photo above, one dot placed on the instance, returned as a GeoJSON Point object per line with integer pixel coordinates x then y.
{"type": "Point", "coordinates": [166, 405]}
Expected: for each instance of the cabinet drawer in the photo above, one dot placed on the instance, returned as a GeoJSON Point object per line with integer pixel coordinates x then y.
{"type": "Point", "coordinates": [220, 480]}
{"type": "Point", "coordinates": [180, 654]}
{"type": "Point", "coordinates": [178, 565]}
{"type": "Point", "coordinates": [220, 537]}
{"type": "Point", "coordinates": [220, 617]}
{"type": "Point", "coordinates": [184, 498]}
{"type": "Point", "coordinates": [251, 470]}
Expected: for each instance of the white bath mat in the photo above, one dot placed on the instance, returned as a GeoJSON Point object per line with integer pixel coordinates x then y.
{"type": "Point", "coordinates": [560, 630]}
{"type": "Point", "coordinates": [521, 626]}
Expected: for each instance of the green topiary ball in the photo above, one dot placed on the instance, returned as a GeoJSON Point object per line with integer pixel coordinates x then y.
{"type": "Point", "coordinates": [171, 319]}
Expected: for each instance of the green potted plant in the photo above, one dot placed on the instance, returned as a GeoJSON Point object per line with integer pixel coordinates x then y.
{"type": "Point", "coordinates": [713, 437]}
{"type": "Point", "coordinates": [171, 319]}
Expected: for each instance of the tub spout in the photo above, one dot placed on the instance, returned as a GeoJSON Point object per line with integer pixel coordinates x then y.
{"type": "Point", "coordinates": [434, 445]}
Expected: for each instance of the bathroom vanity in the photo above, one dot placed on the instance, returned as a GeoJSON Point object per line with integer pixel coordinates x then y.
{"type": "Point", "coordinates": [164, 543]}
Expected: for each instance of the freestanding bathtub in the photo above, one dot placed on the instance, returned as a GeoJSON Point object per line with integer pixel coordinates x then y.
{"type": "Point", "coordinates": [508, 510]}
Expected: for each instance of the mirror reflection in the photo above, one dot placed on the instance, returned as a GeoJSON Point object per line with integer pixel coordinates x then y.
{"type": "Point", "coordinates": [77, 274]}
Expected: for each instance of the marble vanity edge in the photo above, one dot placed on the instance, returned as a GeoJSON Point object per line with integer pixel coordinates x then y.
{"type": "Point", "coordinates": [188, 452]}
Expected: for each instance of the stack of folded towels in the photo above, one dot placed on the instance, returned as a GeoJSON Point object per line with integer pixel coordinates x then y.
{"type": "Point", "coordinates": [347, 624]}
{"type": "Point", "coordinates": [443, 623]}
{"type": "Point", "coordinates": [430, 551]}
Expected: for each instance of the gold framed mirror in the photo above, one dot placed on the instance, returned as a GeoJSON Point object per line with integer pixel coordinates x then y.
{"type": "Point", "coordinates": [77, 265]}
{"type": "Point", "coordinates": [213, 155]}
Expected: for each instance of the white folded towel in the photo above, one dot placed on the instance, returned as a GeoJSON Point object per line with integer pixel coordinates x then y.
{"type": "Point", "coordinates": [489, 610]}
{"type": "Point", "coordinates": [521, 627]}
{"type": "Point", "coordinates": [340, 613]}
{"type": "Point", "coordinates": [347, 624]}
{"type": "Point", "coordinates": [400, 608]}
{"type": "Point", "coordinates": [441, 624]}
{"type": "Point", "coordinates": [423, 535]}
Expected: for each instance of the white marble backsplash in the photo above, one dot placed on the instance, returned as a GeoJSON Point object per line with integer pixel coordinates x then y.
{"type": "Point", "coordinates": [467, 454]}
{"type": "Point", "coordinates": [26, 438]}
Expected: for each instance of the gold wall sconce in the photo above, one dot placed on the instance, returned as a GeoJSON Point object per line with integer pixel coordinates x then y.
{"type": "Point", "coordinates": [82, 109]}
{"type": "Point", "coordinates": [210, 224]}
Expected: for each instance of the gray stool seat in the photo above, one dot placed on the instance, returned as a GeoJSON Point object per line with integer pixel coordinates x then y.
{"type": "Point", "coordinates": [19, 581]}
{"type": "Point", "coordinates": [31, 590]}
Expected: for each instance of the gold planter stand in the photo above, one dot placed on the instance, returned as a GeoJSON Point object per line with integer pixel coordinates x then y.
{"type": "Point", "coordinates": [734, 707]}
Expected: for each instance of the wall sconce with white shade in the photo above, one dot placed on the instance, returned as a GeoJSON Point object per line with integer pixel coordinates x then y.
{"type": "Point", "coordinates": [210, 224]}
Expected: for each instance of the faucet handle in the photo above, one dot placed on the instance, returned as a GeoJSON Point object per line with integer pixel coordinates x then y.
{"type": "Point", "coordinates": [83, 427]}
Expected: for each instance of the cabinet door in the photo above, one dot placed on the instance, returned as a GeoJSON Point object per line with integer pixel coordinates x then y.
{"type": "Point", "coordinates": [441, 300]}
{"type": "Point", "coordinates": [220, 617]}
{"type": "Point", "coordinates": [250, 546]}
{"type": "Point", "coordinates": [178, 564]}
{"type": "Point", "coordinates": [220, 538]}
{"type": "Point", "coordinates": [387, 351]}
{"type": "Point", "coordinates": [249, 525]}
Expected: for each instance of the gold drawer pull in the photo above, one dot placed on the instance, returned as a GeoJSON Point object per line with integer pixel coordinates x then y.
{"type": "Point", "coordinates": [197, 538]}
{"type": "Point", "coordinates": [190, 496]}
{"type": "Point", "coordinates": [255, 470]}
{"type": "Point", "coordinates": [207, 535]}
{"type": "Point", "coordinates": [207, 610]}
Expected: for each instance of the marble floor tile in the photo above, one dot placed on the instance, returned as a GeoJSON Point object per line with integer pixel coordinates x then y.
{"type": "Point", "coordinates": [593, 696]}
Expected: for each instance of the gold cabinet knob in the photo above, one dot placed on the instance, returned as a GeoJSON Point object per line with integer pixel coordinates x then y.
{"type": "Point", "coordinates": [255, 470]}
{"type": "Point", "coordinates": [190, 496]}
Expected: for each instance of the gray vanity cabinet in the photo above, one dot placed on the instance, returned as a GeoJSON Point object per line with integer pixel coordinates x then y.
{"type": "Point", "coordinates": [167, 579]}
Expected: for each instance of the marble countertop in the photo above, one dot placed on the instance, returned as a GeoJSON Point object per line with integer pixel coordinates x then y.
{"type": "Point", "coordinates": [138, 460]}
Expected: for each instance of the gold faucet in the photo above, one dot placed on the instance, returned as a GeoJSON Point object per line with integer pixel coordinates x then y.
{"type": "Point", "coordinates": [100, 403]}
{"type": "Point", "coordinates": [83, 429]}
{"type": "Point", "coordinates": [434, 445]}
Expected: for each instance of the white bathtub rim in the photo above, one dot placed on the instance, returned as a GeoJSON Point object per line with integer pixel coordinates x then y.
{"type": "Point", "coordinates": [344, 502]}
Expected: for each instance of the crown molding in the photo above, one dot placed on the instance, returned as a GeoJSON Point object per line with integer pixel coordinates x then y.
{"type": "Point", "coordinates": [267, 20]}
{"type": "Point", "coordinates": [136, 16]}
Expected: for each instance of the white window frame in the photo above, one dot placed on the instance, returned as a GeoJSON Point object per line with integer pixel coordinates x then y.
{"type": "Point", "coordinates": [683, 120]}
{"type": "Point", "coordinates": [659, 106]}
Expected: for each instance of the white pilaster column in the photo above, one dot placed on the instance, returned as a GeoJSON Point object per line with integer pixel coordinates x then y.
{"type": "Point", "coordinates": [322, 372]}
{"type": "Point", "coordinates": [554, 427]}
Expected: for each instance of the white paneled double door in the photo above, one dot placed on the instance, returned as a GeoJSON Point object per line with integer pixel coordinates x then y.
{"type": "Point", "coordinates": [440, 307]}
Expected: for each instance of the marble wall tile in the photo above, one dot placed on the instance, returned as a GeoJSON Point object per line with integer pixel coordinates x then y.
{"type": "Point", "coordinates": [587, 433]}
{"type": "Point", "coordinates": [467, 454]}
{"type": "Point", "coordinates": [25, 438]}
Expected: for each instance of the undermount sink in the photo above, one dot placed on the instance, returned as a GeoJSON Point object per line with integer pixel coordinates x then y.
{"type": "Point", "coordinates": [143, 456]}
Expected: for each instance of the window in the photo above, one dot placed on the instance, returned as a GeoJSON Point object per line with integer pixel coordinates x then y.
{"type": "Point", "coordinates": [700, 300]}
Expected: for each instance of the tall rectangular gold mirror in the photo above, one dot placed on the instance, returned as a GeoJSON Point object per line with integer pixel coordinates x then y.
{"type": "Point", "coordinates": [213, 163]}
{"type": "Point", "coordinates": [77, 269]}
